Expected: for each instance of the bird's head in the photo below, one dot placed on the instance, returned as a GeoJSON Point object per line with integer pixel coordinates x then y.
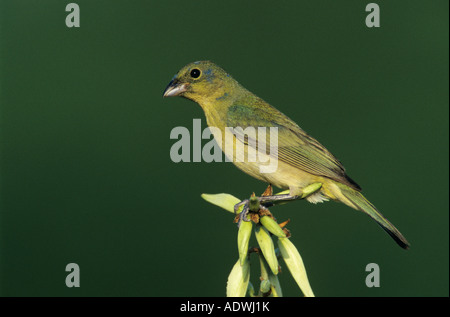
{"type": "Point", "coordinates": [201, 82]}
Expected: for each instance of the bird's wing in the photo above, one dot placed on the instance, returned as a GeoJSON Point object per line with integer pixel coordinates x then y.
{"type": "Point", "coordinates": [295, 147]}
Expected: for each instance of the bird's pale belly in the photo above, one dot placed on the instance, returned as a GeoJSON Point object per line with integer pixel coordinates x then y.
{"type": "Point", "coordinates": [283, 175]}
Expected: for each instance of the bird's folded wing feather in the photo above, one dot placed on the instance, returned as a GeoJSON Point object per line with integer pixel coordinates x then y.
{"type": "Point", "coordinates": [295, 147]}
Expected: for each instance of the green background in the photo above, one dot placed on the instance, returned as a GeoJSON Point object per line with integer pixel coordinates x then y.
{"type": "Point", "coordinates": [86, 175]}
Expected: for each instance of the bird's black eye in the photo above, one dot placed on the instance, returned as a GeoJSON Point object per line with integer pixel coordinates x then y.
{"type": "Point", "coordinates": [195, 73]}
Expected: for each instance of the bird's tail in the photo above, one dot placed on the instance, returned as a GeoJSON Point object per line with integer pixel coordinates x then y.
{"type": "Point", "coordinates": [357, 201]}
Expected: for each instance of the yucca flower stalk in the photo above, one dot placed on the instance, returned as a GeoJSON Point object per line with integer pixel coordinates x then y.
{"type": "Point", "coordinates": [266, 230]}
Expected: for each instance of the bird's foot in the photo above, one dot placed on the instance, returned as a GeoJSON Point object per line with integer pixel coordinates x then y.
{"type": "Point", "coordinates": [242, 216]}
{"type": "Point", "coordinates": [257, 206]}
{"type": "Point", "coordinates": [252, 206]}
{"type": "Point", "coordinates": [271, 200]}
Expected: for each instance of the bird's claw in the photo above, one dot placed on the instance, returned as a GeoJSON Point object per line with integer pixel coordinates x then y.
{"type": "Point", "coordinates": [243, 215]}
{"type": "Point", "coordinates": [252, 205]}
{"type": "Point", "coordinates": [238, 205]}
{"type": "Point", "coordinates": [244, 212]}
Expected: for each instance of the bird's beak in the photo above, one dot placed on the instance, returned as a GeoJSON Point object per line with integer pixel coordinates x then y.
{"type": "Point", "coordinates": [174, 88]}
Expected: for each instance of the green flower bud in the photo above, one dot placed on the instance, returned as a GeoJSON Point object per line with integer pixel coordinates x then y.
{"type": "Point", "coordinates": [294, 262]}
{"type": "Point", "coordinates": [253, 204]}
{"type": "Point", "coordinates": [311, 189]}
{"type": "Point", "coordinates": [225, 201]}
{"type": "Point", "coordinates": [266, 273]}
{"type": "Point", "coordinates": [272, 226]}
{"type": "Point", "coordinates": [238, 279]}
{"type": "Point", "coordinates": [244, 233]}
{"type": "Point", "coordinates": [265, 286]}
{"type": "Point", "coordinates": [266, 245]}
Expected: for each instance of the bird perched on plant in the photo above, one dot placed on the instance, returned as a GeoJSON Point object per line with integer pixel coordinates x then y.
{"type": "Point", "coordinates": [301, 160]}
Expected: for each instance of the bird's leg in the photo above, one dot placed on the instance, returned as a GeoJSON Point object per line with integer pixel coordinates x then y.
{"type": "Point", "coordinates": [243, 214]}
{"type": "Point", "coordinates": [267, 199]}
{"type": "Point", "coordinates": [252, 204]}
{"type": "Point", "coordinates": [239, 205]}
{"type": "Point", "coordinates": [272, 200]}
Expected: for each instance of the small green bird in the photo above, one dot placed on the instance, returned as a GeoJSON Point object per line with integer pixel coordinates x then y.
{"type": "Point", "coordinates": [301, 160]}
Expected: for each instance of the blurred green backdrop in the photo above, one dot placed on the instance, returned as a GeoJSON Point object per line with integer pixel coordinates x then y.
{"type": "Point", "coordinates": [86, 175]}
